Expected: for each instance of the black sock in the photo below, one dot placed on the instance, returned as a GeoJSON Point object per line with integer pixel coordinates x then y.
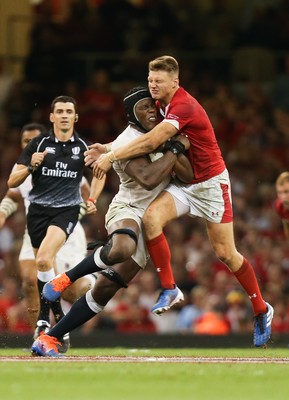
{"type": "Point", "coordinates": [56, 309]}
{"type": "Point", "coordinates": [77, 316]}
{"type": "Point", "coordinates": [44, 304]}
{"type": "Point", "coordinates": [85, 267]}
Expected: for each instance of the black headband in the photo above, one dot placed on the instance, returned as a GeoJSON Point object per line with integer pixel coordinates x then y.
{"type": "Point", "coordinates": [130, 103]}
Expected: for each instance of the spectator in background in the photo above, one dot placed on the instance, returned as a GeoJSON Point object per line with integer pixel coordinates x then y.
{"type": "Point", "coordinates": [129, 315]}
{"type": "Point", "coordinates": [213, 321]}
{"type": "Point", "coordinates": [42, 71]}
{"type": "Point", "coordinates": [193, 310]}
{"type": "Point", "coordinates": [10, 298]}
{"type": "Point", "coordinates": [99, 107]}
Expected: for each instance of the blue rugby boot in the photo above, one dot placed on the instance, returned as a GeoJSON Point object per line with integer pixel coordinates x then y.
{"type": "Point", "coordinates": [167, 299]}
{"type": "Point", "coordinates": [262, 327]}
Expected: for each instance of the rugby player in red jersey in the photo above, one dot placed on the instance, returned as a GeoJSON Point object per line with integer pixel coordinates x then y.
{"type": "Point", "coordinates": [208, 195]}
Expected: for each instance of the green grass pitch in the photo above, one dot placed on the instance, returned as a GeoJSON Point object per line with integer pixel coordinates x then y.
{"type": "Point", "coordinates": [146, 374]}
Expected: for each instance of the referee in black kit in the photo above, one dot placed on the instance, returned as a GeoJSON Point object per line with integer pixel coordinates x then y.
{"type": "Point", "coordinates": [56, 162]}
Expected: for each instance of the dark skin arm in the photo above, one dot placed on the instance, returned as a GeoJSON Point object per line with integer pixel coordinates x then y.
{"type": "Point", "coordinates": [150, 174]}
{"type": "Point", "coordinates": [182, 167]}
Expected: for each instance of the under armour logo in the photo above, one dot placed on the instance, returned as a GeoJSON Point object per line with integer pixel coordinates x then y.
{"type": "Point", "coordinates": [254, 295]}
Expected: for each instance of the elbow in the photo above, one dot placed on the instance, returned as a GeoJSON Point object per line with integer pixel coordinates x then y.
{"type": "Point", "coordinates": [147, 183]}
{"type": "Point", "coordinates": [11, 183]}
{"type": "Point", "coordinates": [150, 184]}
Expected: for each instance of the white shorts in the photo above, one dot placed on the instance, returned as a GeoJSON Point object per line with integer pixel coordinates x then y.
{"type": "Point", "coordinates": [211, 199]}
{"type": "Point", "coordinates": [71, 253]}
{"type": "Point", "coordinates": [119, 211]}
{"type": "Point", "coordinates": [26, 251]}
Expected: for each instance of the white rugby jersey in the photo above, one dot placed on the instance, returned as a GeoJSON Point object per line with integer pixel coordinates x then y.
{"type": "Point", "coordinates": [130, 192]}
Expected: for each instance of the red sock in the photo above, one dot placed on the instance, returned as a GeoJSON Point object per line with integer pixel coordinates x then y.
{"type": "Point", "coordinates": [247, 278]}
{"type": "Point", "coordinates": [161, 256]}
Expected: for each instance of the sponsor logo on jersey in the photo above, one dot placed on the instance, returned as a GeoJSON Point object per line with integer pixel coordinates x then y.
{"type": "Point", "coordinates": [50, 150]}
{"type": "Point", "coordinates": [172, 116]}
{"type": "Point", "coordinates": [75, 152]}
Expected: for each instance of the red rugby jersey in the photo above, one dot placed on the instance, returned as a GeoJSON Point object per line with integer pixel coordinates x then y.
{"type": "Point", "coordinates": [192, 120]}
{"type": "Point", "coordinates": [282, 211]}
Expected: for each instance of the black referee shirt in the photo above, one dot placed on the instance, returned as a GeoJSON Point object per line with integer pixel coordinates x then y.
{"type": "Point", "coordinates": [56, 183]}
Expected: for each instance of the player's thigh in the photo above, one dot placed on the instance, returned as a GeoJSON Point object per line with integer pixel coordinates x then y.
{"type": "Point", "coordinates": [126, 223]}
{"type": "Point", "coordinates": [221, 236]}
{"type": "Point", "coordinates": [162, 209]}
{"type": "Point", "coordinates": [51, 244]}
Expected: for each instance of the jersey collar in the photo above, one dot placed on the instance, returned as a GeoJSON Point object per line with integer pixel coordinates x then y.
{"type": "Point", "coordinates": [73, 138]}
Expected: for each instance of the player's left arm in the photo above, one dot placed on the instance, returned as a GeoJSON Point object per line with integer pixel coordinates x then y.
{"type": "Point", "coordinates": [147, 143]}
{"type": "Point", "coordinates": [183, 168]}
{"type": "Point", "coordinates": [150, 174]}
{"type": "Point", "coordinates": [96, 189]}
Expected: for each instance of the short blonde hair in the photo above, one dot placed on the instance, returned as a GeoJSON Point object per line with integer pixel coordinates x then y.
{"type": "Point", "coordinates": [164, 63]}
{"type": "Point", "coordinates": [282, 178]}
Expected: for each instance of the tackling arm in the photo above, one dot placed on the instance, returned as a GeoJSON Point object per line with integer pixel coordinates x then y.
{"type": "Point", "coordinates": [144, 144]}
{"type": "Point", "coordinates": [150, 174]}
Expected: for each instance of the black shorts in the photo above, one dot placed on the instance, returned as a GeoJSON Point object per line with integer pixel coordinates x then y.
{"type": "Point", "coordinates": [39, 218]}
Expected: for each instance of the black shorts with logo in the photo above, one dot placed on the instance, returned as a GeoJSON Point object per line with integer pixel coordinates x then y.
{"type": "Point", "coordinates": [39, 218]}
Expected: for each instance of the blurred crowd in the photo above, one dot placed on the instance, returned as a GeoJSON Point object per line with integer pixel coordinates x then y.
{"type": "Point", "coordinates": [251, 122]}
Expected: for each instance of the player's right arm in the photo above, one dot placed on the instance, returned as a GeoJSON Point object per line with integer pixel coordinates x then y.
{"type": "Point", "coordinates": [18, 175]}
{"type": "Point", "coordinates": [150, 174]}
{"type": "Point", "coordinates": [21, 171]}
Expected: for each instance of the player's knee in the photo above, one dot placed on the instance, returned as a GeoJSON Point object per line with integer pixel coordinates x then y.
{"type": "Point", "coordinates": [121, 252]}
{"type": "Point", "coordinates": [150, 215]}
{"type": "Point", "coordinates": [224, 255]}
{"type": "Point", "coordinates": [43, 263]}
{"type": "Point", "coordinates": [121, 245]}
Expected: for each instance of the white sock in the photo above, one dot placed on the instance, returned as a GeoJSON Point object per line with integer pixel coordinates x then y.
{"type": "Point", "coordinates": [92, 304]}
{"type": "Point", "coordinates": [45, 276]}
